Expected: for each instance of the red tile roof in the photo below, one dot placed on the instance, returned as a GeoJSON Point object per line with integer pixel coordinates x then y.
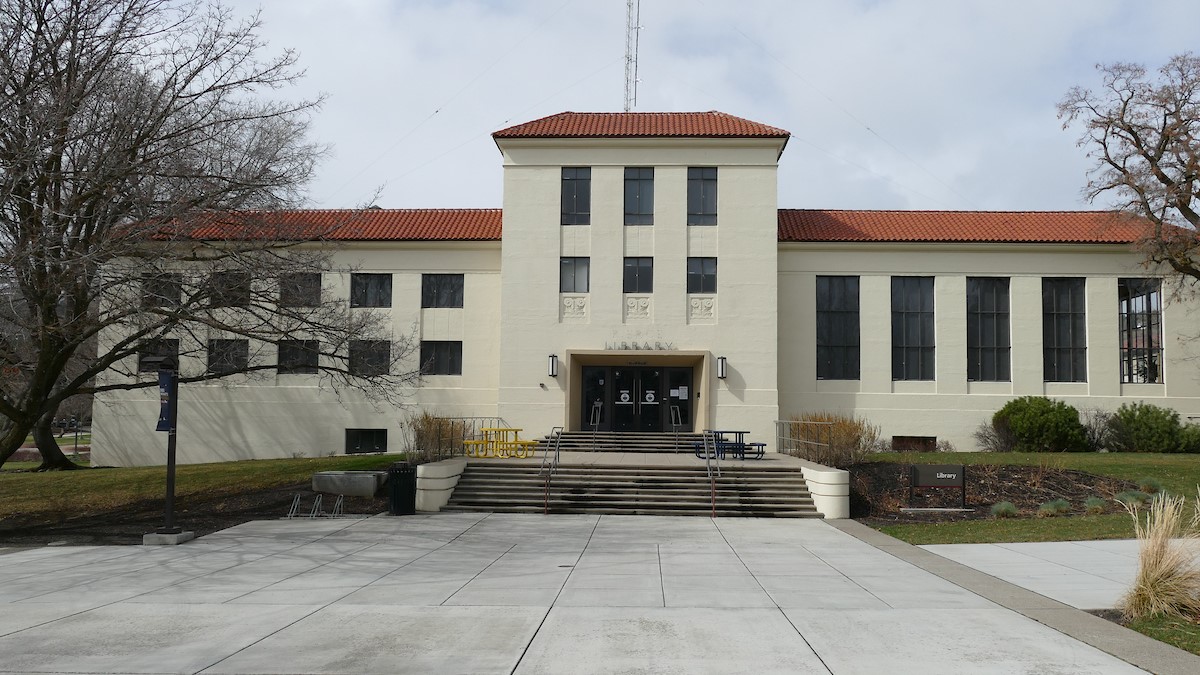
{"type": "Point", "coordinates": [710, 124]}
{"type": "Point", "coordinates": [347, 225]}
{"type": "Point", "coordinates": [1067, 227]}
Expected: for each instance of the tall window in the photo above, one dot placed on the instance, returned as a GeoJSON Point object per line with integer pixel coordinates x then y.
{"type": "Point", "coordinates": [639, 275]}
{"type": "Point", "coordinates": [441, 357]}
{"type": "Point", "coordinates": [702, 195]}
{"type": "Point", "coordinates": [149, 355]}
{"type": "Point", "coordinates": [229, 288]}
{"type": "Point", "coordinates": [161, 290]}
{"type": "Point", "coordinates": [370, 358]}
{"type": "Point", "coordinates": [701, 275]}
{"type": "Point", "coordinates": [441, 290]}
{"type": "Point", "coordinates": [837, 328]}
{"type": "Point", "coordinates": [1139, 303]}
{"type": "Point", "coordinates": [639, 196]}
{"type": "Point", "coordinates": [912, 328]}
{"type": "Point", "coordinates": [370, 290]}
{"type": "Point", "coordinates": [576, 195]}
{"type": "Point", "coordinates": [228, 356]}
{"type": "Point", "coordinates": [301, 289]}
{"type": "Point", "coordinates": [297, 357]}
{"type": "Point", "coordinates": [1064, 330]}
{"type": "Point", "coordinates": [988, 341]}
{"type": "Point", "coordinates": [573, 275]}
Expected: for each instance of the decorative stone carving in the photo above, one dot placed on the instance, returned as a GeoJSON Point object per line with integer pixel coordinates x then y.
{"type": "Point", "coordinates": [702, 308]}
{"type": "Point", "coordinates": [637, 307]}
{"type": "Point", "coordinates": [574, 307]}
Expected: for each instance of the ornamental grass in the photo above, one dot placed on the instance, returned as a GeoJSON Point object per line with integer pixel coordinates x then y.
{"type": "Point", "coordinates": [1168, 575]}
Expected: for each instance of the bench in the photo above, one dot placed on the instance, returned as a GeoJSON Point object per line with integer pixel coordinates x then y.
{"type": "Point", "coordinates": [734, 449]}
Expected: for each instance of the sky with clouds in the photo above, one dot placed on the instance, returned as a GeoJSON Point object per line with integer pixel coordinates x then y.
{"type": "Point", "coordinates": [892, 104]}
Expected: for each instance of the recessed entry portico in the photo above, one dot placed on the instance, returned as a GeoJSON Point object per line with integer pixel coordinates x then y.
{"type": "Point", "coordinates": [638, 391]}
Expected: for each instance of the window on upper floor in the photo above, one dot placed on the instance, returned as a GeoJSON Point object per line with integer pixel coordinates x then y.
{"type": "Point", "coordinates": [639, 195]}
{"type": "Point", "coordinates": [370, 290]}
{"type": "Point", "coordinates": [1064, 330]}
{"type": "Point", "coordinates": [573, 275]}
{"type": "Point", "coordinates": [441, 290]}
{"type": "Point", "coordinates": [576, 195]}
{"type": "Point", "coordinates": [228, 356]}
{"type": "Point", "coordinates": [701, 275]}
{"type": "Point", "coordinates": [1139, 304]}
{"type": "Point", "coordinates": [837, 328]}
{"type": "Point", "coordinates": [988, 341]}
{"type": "Point", "coordinates": [441, 357]}
{"type": "Point", "coordinates": [300, 289]}
{"type": "Point", "coordinates": [912, 328]}
{"type": "Point", "coordinates": [297, 357]}
{"type": "Point", "coordinates": [370, 358]}
{"type": "Point", "coordinates": [150, 353]}
{"type": "Point", "coordinates": [229, 288]}
{"type": "Point", "coordinates": [702, 195]}
{"type": "Point", "coordinates": [639, 275]}
{"type": "Point", "coordinates": [161, 289]}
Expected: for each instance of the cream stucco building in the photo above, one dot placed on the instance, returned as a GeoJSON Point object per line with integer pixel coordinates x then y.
{"type": "Point", "coordinates": [643, 258]}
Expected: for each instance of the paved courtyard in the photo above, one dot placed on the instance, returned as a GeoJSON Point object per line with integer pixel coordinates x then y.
{"type": "Point", "coordinates": [479, 593]}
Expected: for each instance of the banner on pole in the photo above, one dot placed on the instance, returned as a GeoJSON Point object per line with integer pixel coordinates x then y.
{"type": "Point", "coordinates": [166, 401]}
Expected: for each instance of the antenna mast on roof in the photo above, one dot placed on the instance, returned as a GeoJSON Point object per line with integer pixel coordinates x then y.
{"type": "Point", "coordinates": [633, 14]}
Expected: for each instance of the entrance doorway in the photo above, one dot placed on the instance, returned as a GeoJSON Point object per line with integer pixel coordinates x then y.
{"type": "Point", "coordinates": [636, 398]}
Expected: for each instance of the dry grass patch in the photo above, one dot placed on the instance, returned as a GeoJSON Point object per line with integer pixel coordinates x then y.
{"type": "Point", "coordinates": [1168, 575]}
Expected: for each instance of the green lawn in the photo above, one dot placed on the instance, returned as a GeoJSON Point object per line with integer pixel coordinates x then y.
{"type": "Point", "coordinates": [89, 491]}
{"type": "Point", "coordinates": [1179, 473]}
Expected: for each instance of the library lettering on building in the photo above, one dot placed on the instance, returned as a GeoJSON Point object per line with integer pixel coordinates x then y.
{"type": "Point", "coordinates": [641, 277]}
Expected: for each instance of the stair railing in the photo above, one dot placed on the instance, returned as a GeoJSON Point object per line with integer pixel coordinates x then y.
{"type": "Point", "coordinates": [676, 422]}
{"type": "Point", "coordinates": [594, 421]}
{"type": "Point", "coordinates": [548, 471]}
{"type": "Point", "coordinates": [711, 462]}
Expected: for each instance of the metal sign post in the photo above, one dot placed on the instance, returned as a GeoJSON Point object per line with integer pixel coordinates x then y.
{"type": "Point", "coordinates": [168, 418]}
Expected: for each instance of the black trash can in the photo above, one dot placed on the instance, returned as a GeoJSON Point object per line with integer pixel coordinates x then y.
{"type": "Point", "coordinates": [402, 489]}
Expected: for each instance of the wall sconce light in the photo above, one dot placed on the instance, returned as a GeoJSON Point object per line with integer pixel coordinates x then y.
{"type": "Point", "coordinates": [552, 366]}
{"type": "Point", "coordinates": [722, 368]}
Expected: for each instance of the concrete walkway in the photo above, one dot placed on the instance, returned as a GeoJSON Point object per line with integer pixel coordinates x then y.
{"type": "Point", "coordinates": [512, 593]}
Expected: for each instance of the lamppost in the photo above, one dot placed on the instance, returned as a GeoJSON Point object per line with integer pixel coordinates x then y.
{"type": "Point", "coordinates": [168, 417]}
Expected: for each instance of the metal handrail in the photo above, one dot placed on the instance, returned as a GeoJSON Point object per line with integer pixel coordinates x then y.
{"type": "Point", "coordinates": [795, 437]}
{"type": "Point", "coordinates": [594, 421]}
{"type": "Point", "coordinates": [548, 472]}
{"type": "Point", "coordinates": [711, 460]}
{"type": "Point", "coordinates": [676, 422]}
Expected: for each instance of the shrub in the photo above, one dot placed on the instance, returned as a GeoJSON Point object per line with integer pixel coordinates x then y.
{"type": "Point", "coordinates": [1149, 484]}
{"type": "Point", "coordinates": [831, 438]}
{"type": "Point", "coordinates": [1129, 498]}
{"type": "Point", "coordinates": [1096, 428]}
{"type": "Point", "coordinates": [1168, 575]}
{"type": "Point", "coordinates": [1004, 510]}
{"type": "Point", "coordinates": [1038, 424]}
{"type": "Point", "coordinates": [1095, 505]}
{"type": "Point", "coordinates": [432, 438]}
{"type": "Point", "coordinates": [1057, 507]}
{"type": "Point", "coordinates": [1189, 438]}
{"type": "Point", "coordinates": [1143, 427]}
{"type": "Point", "coordinates": [991, 439]}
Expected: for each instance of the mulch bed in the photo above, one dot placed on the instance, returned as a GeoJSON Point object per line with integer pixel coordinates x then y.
{"type": "Point", "coordinates": [200, 514]}
{"type": "Point", "coordinates": [879, 490]}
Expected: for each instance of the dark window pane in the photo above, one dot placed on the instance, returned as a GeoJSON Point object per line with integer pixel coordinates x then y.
{"type": "Point", "coordinates": [370, 358]}
{"type": "Point", "coordinates": [164, 348]}
{"type": "Point", "coordinates": [576, 195]}
{"type": "Point", "coordinates": [837, 328]}
{"type": "Point", "coordinates": [441, 290]}
{"type": "Point", "coordinates": [702, 275]}
{"type": "Point", "coordinates": [297, 357]}
{"type": "Point", "coordinates": [302, 289]}
{"type": "Point", "coordinates": [370, 290]}
{"type": "Point", "coordinates": [1139, 304]}
{"type": "Point", "coordinates": [229, 289]}
{"type": "Point", "coordinates": [1064, 330]}
{"type": "Point", "coordinates": [161, 290]}
{"type": "Point", "coordinates": [702, 196]}
{"type": "Point", "coordinates": [987, 329]}
{"type": "Point", "coordinates": [228, 356]}
{"type": "Point", "coordinates": [912, 328]}
{"type": "Point", "coordinates": [441, 357]}
{"type": "Point", "coordinates": [639, 275]}
{"type": "Point", "coordinates": [639, 196]}
{"type": "Point", "coordinates": [573, 275]}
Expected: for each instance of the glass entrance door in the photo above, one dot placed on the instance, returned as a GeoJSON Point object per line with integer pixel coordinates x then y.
{"type": "Point", "coordinates": [635, 398]}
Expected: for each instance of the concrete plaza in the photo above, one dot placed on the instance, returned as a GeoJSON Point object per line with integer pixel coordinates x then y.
{"type": "Point", "coordinates": [501, 593]}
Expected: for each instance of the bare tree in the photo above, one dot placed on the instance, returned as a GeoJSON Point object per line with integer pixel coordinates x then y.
{"type": "Point", "coordinates": [140, 164]}
{"type": "Point", "coordinates": [1143, 130]}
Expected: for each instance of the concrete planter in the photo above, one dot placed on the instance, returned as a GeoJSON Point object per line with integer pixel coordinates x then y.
{"type": "Point", "coordinates": [436, 481]}
{"type": "Point", "coordinates": [830, 489]}
{"type": "Point", "coordinates": [349, 483]}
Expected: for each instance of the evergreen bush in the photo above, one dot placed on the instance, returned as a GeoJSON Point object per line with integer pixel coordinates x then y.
{"type": "Point", "coordinates": [1039, 424]}
{"type": "Point", "coordinates": [1144, 427]}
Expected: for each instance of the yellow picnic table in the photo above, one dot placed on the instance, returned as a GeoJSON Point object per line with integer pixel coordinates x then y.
{"type": "Point", "coordinates": [500, 442]}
